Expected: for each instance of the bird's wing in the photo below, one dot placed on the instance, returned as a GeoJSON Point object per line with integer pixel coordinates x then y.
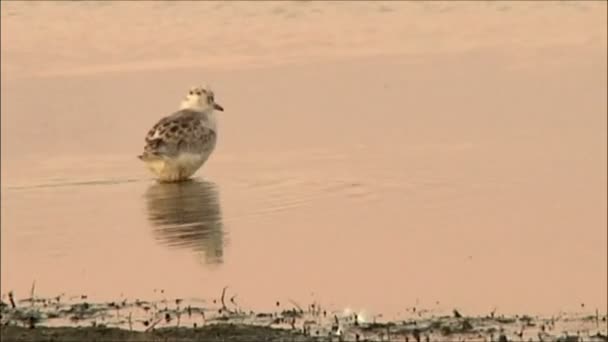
{"type": "Point", "coordinates": [182, 131]}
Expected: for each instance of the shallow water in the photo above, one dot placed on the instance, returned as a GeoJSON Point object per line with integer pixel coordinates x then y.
{"type": "Point", "coordinates": [367, 174]}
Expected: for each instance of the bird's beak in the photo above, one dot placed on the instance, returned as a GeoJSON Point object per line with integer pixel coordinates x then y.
{"type": "Point", "coordinates": [218, 107]}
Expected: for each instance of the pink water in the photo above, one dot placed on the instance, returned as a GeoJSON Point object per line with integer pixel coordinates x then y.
{"type": "Point", "coordinates": [372, 155]}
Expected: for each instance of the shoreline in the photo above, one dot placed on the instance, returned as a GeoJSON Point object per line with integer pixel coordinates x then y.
{"type": "Point", "coordinates": [59, 319]}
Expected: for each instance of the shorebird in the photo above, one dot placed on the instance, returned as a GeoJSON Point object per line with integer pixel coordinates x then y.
{"type": "Point", "coordinates": [179, 144]}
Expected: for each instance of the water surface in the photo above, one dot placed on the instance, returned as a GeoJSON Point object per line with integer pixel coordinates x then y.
{"type": "Point", "coordinates": [392, 155]}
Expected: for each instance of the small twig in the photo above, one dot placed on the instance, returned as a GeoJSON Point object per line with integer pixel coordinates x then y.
{"type": "Point", "coordinates": [130, 322]}
{"type": "Point", "coordinates": [10, 297]}
{"type": "Point", "coordinates": [224, 294]}
{"type": "Point", "coordinates": [296, 305]}
{"type": "Point", "coordinates": [153, 324]}
{"type": "Point", "coordinates": [224, 307]}
{"type": "Point", "coordinates": [32, 293]}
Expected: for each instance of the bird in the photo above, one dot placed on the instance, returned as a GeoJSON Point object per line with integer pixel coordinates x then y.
{"type": "Point", "coordinates": [179, 144]}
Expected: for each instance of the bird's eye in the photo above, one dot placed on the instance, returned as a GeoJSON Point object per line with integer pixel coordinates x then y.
{"type": "Point", "coordinates": [191, 92]}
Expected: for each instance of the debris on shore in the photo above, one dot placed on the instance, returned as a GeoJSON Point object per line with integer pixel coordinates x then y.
{"type": "Point", "coordinates": [58, 318]}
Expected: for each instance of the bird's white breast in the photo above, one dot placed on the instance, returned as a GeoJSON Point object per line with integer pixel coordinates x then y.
{"type": "Point", "coordinates": [178, 168]}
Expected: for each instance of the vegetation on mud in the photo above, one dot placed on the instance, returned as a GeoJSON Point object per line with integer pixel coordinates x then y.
{"type": "Point", "coordinates": [61, 319]}
{"type": "Point", "coordinates": [216, 332]}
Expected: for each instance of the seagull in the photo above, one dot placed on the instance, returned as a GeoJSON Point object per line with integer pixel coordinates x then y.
{"type": "Point", "coordinates": [179, 144]}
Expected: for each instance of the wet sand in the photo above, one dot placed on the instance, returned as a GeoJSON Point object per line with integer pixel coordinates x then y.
{"type": "Point", "coordinates": [456, 159]}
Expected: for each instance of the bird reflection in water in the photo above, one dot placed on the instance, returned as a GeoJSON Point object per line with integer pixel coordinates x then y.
{"type": "Point", "coordinates": [188, 215]}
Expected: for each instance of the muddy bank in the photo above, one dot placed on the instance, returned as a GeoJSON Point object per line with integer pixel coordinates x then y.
{"type": "Point", "coordinates": [467, 329]}
{"type": "Point", "coordinates": [220, 332]}
{"type": "Point", "coordinates": [74, 319]}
